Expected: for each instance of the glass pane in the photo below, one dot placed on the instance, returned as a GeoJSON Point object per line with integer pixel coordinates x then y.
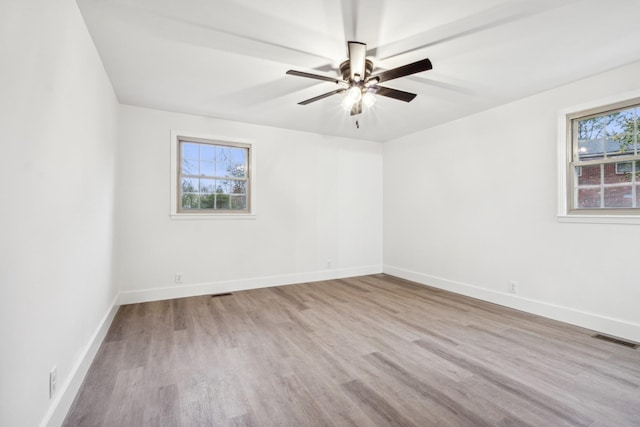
{"type": "Point", "coordinates": [223, 161]}
{"type": "Point", "coordinates": [190, 185]}
{"type": "Point", "coordinates": [637, 196]}
{"type": "Point", "coordinates": [238, 162]}
{"type": "Point", "coordinates": [207, 152]}
{"type": "Point", "coordinates": [222, 186]}
{"type": "Point", "coordinates": [222, 201]}
{"type": "Point", "coordinates": [207, 186]}
{"type": "Point", "coordinates": [588, 198]}
{"type": "Point", "coordinates": [590, 175]}
{"type": "Point", "coordinates": [591, 138]}
{"type": "Point", "coordinates": [190, 150]}
{"type": "Point", "coordinates": [190, 201]}
{"type": "Point", "coordinates": [238, 202]}
{"type": "Point", "coordinates": [620, 129]}
{"type": "Point", "coordinates": [190, 167]}
{"type": "Point", "coordinates": [237, 170]}
{"type": "Point", "coordinates": [206, 168]}
{"type": "Point", "coordinates": [238, 187]}
{"type": "Point", "coordinates": [207, 201]}
{"type": "Point", "coordinates": [615, 173]}
{"type": "Point", "coordinates": [618, 197]}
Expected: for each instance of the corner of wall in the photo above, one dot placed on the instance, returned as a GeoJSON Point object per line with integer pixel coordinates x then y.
{"type": "Point", "coordinates": [60, 407]}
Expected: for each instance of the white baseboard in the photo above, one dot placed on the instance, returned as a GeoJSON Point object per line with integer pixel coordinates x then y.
{"type": "Point", "coordinates": [611, 326]}
{"type": "Point", "coordinates": [67, 392]}
{"type": "Point", "coordinates": [182, 291]}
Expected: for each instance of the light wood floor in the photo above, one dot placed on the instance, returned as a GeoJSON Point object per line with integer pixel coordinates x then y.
{"type": "Point", "coordinates": [364, 351]}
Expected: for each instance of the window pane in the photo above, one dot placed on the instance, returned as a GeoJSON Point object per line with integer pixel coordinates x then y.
{"type": "Point", "coordinates": [222, 161]}
{"type": "Point", "coordinates": [206, 168]}
{"type": "Point", "coordinates": [207, 186]}
{"type": "Point", "coordinates": [615, 173]}
{"type": "Point", "coordinates": [207, 152]}
{"type": "Point", "coordinates": [190, 151]}
{"type": "Point", "coordinates": [222, 201]}
{"type": "Point", "coordinates": [237, 202]}
{"type": "Point", "coordinates": [591, 138]}
{"type": "Point", "coordinates": [222, 186]}
{"type": "Point", "coordinates": [588, 198]}
{"type": "Point", "coordinates": [590, 175]}
{"type": "Point", "coordinates": [190, 185]}
{"type": "Point", "coordinates": [190, 167]}
{"type": "Point", "coordinates": [238, 162]}
{"type": "Point", "coordinates": [207, 201]}
{"type": "Point", "coordinates": [620, 132]}
{"type": "Point", "coordinates": [190, 201]}
{"type": "Point", "coordinates": [238, 187]}
{"type": "Point", "coordinates": [618, 197]}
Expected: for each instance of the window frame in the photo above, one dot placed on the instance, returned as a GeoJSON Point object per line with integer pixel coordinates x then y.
{"type": "Point", "coordinates": [567, 152]}
{"type": "Point", "coordinates": [176, 211]}
{"type": "Point", "coordinates": [619, 172]}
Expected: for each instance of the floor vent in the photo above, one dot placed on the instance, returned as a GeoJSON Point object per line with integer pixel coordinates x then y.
{"type": "Point", "coordinates": [616, 341]}
{"type": "Point", "coordinates": [220, 295]}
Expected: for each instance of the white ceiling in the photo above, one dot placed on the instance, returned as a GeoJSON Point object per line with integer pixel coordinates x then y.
{"type": "Point", "coordinates": [227, 59]}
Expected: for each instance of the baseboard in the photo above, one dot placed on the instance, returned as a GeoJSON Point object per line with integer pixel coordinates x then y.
{"type": "Point", "coordinates": [182, 291]}
{"type": "Point", "coordinates": [68, 390]}
{"type": "Point", "coordinates": [611, 326]}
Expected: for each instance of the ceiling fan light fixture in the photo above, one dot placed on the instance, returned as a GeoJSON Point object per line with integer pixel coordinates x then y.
{"type": "Point", "coordinates": [347, 103]}
{"type": "Point", "coordinates": [354, 94]}
{"type": "Point", "coordinates": [368, 99]}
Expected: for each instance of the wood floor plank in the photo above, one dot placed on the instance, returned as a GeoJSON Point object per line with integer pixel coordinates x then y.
{"type": "Point", "coordinates": [362, 351]}
{"type": "Point", "coordinates": [375, 406]}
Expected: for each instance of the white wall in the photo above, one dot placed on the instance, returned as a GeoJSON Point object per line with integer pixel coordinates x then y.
{"type": "Point", "coordinates": [472, 204]}
{"type": "Point", "coordinates": [58, 117]}
{"type": "Point", "coordinates": [317, 198]}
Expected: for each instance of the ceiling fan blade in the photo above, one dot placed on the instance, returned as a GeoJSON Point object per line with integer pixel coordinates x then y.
{"type": "Point", "coordinates": [356, 108]}
{"type": "Point", "coordinates": [405, 70]}
{"type": "Point", "coordinates": [393, 93]}
{"type": "Point", "coordinates": [315, 76]}
{"type": "Point", "coordinates": [319, 97]}
{"type": "Point", "coordinates": [357, 54]}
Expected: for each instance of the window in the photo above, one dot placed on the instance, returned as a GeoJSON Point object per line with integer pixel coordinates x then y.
{"type": "Point", "coordinates": [622, 168]}
{"type": "Point", "coordinates": [212, 177]}
{"type": "Point", "coordinates": [603, 168]}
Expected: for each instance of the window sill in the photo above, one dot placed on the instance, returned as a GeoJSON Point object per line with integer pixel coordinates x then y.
{"type": "Point", "coordinates": [600, 219]}
{"type": "Point", "coordinates": [186, 216]}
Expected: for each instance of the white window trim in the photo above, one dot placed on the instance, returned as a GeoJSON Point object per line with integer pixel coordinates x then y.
{"type": "Point", "coordinates": [564, 137]}
{"type": "Point", "coordinates": [173, 212]}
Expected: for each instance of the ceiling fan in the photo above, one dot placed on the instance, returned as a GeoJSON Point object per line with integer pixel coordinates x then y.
{"type": "Point", "coordinates": [358, 82]}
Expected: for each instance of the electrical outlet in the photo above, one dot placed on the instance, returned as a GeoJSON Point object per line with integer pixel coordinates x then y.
{"type": "Point", "coordinates": [328, 263]}
{"type": "Point", "coordinates": [53, 381]}
{"type": "Point", "coordinates": [178, 277]}
{"type": "Point", "coordinates": [513, 286]}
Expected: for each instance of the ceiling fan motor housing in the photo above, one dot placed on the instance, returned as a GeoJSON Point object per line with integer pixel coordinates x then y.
{"type": "Point", "coordinates": [345, 70]}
